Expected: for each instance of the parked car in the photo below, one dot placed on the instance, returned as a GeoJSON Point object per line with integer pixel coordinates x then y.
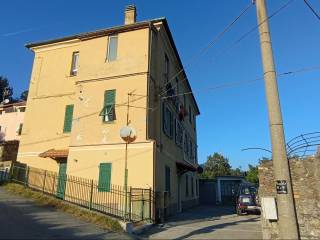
{"type": "Point", "coordinates": [247, 200]}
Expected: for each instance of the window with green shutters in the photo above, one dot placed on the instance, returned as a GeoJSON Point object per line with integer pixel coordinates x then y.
{"type": "Point", "coordinates": [68, 119]}
{"type": "Point", "coordinates": [109, 113]}
{"type": "Point", "coordinates": [104, 183]}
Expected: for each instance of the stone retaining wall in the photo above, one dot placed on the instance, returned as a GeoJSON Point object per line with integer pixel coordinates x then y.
{"type": "Point", "coordinates": [305, 175]}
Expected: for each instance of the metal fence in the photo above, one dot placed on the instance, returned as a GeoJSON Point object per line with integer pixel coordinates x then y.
{"type": "Point", "coordinates": [132, 204]}
{"type": "Point", "coordinates": [4, 175]}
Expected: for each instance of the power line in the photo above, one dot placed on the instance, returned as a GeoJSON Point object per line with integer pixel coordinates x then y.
{"type": "Point", "coordinates": [243, 36]}
{"type": "Point", "coordinates": [312, 9]}
{"type": "Point", "coordinates": [239, 83]}
{"type": "Point", "coordinates": [212, 43]}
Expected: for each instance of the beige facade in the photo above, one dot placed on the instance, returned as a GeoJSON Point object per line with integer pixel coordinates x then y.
{"type": "Point", "coordinates": [11, 120]}
{"type": "Point", "coordinates": [137, 58]}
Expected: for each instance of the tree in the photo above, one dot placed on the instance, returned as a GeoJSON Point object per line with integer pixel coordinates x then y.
{"type": "Point", "coordinates": [252, 174]}
{"type": "Point", "coordinates": [216, 165]}
{"type": "Point", "coordinates": [24, 95]}
{"type": "Point", "coordinates": [236, 172]}
{"type": "Point", "coordinates": [5, 90]}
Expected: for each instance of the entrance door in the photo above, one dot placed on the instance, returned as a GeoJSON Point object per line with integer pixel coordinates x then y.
{"type": "Point", "coordinates": [62, 180]}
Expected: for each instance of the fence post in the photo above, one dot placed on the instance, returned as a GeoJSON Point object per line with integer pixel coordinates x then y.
{"type": "Point", "coordinates": [11, 171]}
{"type": "Point", "coordinates": [26, 177]}
{"type": "Point", "coordinates": [53, 183]}
{"type": "Point", "coordinates": [91, 193]}
{"type": "Point", "coordinates": [150, 202]}
{"type": "Point", "coordinates": [44, 180]}
{"type": "Point", "coordinates": [130, 210]}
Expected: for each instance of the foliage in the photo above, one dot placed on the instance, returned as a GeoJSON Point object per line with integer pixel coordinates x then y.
{"type": "Point", "coordinates": [216, 165]}
{"type": "Point", "coordinates": [5, 90]}
{"type": "Point", "coordinates": [252, 174]}
{"type": "Point", "coordinates": [236, 172]}
{"type": "Point", "coordinates": [24, 95]}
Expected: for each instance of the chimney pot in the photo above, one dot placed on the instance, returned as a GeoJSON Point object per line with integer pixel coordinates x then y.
{"type": "Point", "coordinates": [130, 14]}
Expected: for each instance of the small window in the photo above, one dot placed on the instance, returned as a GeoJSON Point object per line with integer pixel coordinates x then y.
{"type": "Point", "coordinates": [167, 121]}
{"type": "Point", "coordinates": [166, 69]}
{"type": "Point", "coordinates": [22, 109]}
{"type": "Point", "coordinates": [187, 185]}
{"type": "Point", "coordinates": [104, 183]}
{"type": "Point", "coordinates": [112, 48]}
{"type": "Point", "coordinates": [20, 129]}
{"type": "Point", "coordinates": [191, 149]}
{"type": "Point", "coordinates": [186, 143]}
{"type": "Point", "coordinates": [74, 65]}
{"type": "Point", "coordinates": [190, 114]}
{"type": "Point", "coordinates": [68, 119]}
{"type": "Point", "coordinates": [192, 186]}
{"type": "Point", "coordinates": [168, 179]}
{"type": "Point", "coordinates": [179, 133]}
{"type": "Point", "coordinates": [109, 112]}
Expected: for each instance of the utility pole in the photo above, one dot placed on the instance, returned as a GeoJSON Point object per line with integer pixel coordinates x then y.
{"type": "Point", "coordinates": [126, 163]}
{"type": "Point", "coordinates": [288, 227]}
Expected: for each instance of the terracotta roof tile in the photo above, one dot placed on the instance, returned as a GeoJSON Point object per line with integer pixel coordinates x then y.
{"type": "Point", "coordinates": [55, 153]}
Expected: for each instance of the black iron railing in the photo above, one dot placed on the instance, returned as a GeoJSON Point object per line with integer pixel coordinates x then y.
{"type": "Point", "coordinates": [86, 193]}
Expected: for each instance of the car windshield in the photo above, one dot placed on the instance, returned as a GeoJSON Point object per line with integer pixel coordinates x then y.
{"type": "Point", "coordinates": [248, 190]}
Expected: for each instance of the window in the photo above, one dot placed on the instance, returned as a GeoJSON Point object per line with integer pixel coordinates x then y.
{"type": "Point", "coordinates": [186, 143]}
{"type": "Point", "coordinates": [190, 114]}
{"type": "Point", "coordinates": [68, 119]}
{"type": "Point", "coordinates": [187, 185]}
{"type": "Point", "coordinates": [109, 113]}
{"type": "Point", "coordinates": [179, 133]}
{"type": "Point", "coordinates": [192, 187]}
{"type": "Point", "coordinates": [166, 69]}
{"type": "Point", "coordinates": [167, 121]}
{"type": "Point", "coordinates": [112, 48]}
{"type": "Point", "coordinates": [20, 129]}
{"type": "Point", "coordinates": [191, 149]}
{"type": "Point", "coordinates": [167, 180]}
{"type": "Point", "coordinates": [104, 182]}
{"type": "Point", "coordinates": [22, 109]}
{"type": "Point", "coordinates": [74, 64]}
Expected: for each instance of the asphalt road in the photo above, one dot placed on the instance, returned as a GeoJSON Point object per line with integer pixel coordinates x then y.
{"type": "Point", "coordinates": [21, 218]}
{"type": "Point", "coordinates": [208, 222]}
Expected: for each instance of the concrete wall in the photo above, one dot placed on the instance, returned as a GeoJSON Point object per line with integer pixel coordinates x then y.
{"type": "Point", "coordinates": [305, 175]}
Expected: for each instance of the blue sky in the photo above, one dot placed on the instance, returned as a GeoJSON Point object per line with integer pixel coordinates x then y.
{"type": "Point", "coordinates": [231, 118]}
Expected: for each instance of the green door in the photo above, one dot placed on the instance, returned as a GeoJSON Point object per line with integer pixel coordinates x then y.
{"type": "Point", "coordinates": [62, 180]}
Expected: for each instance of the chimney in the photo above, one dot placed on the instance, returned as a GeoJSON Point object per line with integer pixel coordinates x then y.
{"type": "Point", "coordinates": [130, 15]}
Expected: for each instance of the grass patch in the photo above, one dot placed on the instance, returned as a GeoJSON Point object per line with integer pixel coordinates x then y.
{"type": "Point", "coordinates": [84, 214]}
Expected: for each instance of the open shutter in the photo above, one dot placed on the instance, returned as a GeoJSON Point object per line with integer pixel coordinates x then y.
{"type": "Point", "coordinates": [68, 119]}
{"type": "Point", "coordinates": [109, 105]}
{"type": "Point", "coordinates": [104, 177]}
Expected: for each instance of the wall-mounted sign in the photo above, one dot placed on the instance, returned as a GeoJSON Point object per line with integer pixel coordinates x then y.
{"type": "Point", "coordinates": [281, 186]}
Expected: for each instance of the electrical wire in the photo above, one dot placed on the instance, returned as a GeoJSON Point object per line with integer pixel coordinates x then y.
{"type": "Point", "coordinates": [211, 43]}
{"type": "Point", "coordinates": [242, 37]}
{"type": "Point", "coordinates": [312, 9]}
{"type": "Point", "coordinates": [239, 83]}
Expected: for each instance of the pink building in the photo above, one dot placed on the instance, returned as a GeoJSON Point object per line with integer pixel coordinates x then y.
{"type": "Point", "coordinates": [11, 120]}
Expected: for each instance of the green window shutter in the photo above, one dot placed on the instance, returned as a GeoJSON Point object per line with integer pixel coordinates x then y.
{"type": "Point", "coordinates": [104, 177]}
{"type": "Point", "coordinates": [68, 119]}
{"type": "Point", "coordinates": [109, 106]}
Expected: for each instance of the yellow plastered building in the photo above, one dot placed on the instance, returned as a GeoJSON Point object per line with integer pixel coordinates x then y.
{"type": "Point", "coordinates": [78, 103]}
